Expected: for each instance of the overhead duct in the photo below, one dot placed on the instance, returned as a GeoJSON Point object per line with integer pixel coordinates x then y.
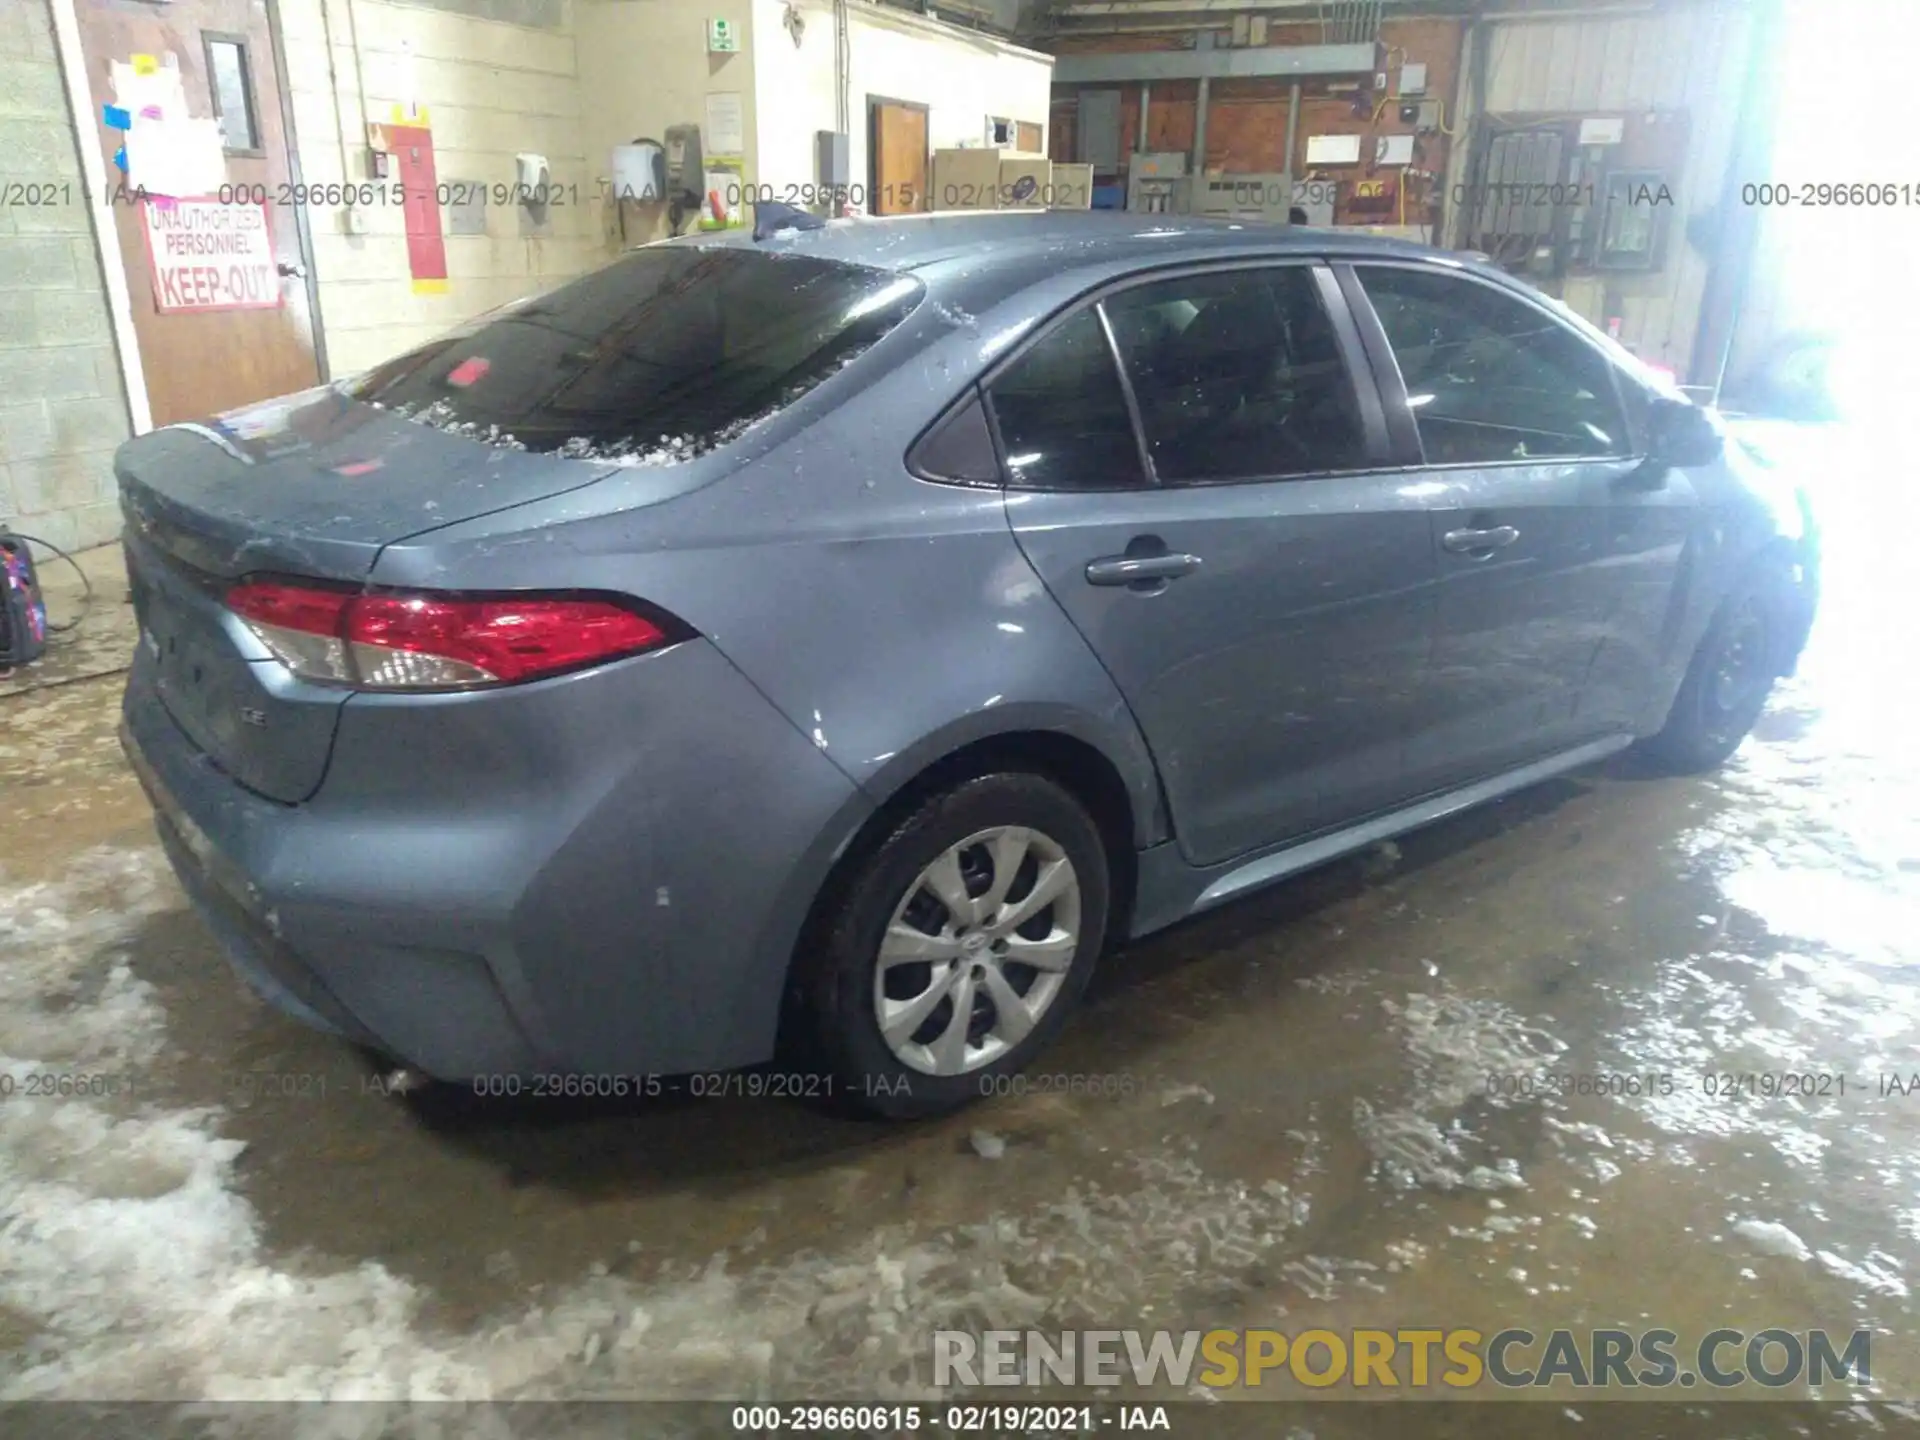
{"type": "Point", "coordinates": [1293, 62]}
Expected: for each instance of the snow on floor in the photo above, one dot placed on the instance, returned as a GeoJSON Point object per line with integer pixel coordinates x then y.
{"type": "Point", "coordinates": [127, 1248]}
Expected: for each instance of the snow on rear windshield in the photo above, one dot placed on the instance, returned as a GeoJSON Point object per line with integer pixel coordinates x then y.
{"type": "Point", "coordinates": [662, 356]}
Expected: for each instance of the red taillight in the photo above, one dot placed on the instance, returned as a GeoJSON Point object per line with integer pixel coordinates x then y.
{"type": "Point", "coordinates": [423, 641]}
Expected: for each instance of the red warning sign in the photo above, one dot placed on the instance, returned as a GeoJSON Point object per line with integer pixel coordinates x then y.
{"type": "Point", "coordinates": [210, 255]}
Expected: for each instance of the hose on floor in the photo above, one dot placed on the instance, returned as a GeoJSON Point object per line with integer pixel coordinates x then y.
{"type": "Point", "coordinates": [86, 598]}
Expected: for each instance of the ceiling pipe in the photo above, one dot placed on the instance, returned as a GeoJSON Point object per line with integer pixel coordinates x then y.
{"type": "Point", "coordinates": [1175, 7]}
{"type": "Point", "coordinates": [1299, 10]}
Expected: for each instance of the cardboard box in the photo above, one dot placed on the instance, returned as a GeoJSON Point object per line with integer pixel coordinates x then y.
{"type": "Point", "coordinates": [1024, 180]}
{"type": "Point", "coordinates": [966, 180]}
{"type": "Point", "coordinates": [1072, 188]}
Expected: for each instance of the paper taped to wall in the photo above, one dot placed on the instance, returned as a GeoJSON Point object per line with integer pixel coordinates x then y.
{"type": "Point", "coordinates": [168, 151]}
{"type": "Point", "coordinates": [155, 88]}
{"type": "Point", "coordinates": [178, 157]}
{"type": "Point", "coordinates": [726, 123]}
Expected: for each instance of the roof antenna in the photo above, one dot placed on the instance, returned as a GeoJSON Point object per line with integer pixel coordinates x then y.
{"type": "Point", "coordinates": [771, 217]}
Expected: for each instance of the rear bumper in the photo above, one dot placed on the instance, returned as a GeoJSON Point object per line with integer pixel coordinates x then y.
{"type": "Point", "coordinates": [599, 874]}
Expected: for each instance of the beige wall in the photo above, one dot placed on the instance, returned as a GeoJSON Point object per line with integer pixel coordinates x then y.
{"type": "Point", "coordinates": [644, 66]}
{"type": "Point", "coordinates": [62, 405]}
{"type": "Point", "coordinates": [490, 89]}
{"type": "Point", "coordinates": [961, 76]}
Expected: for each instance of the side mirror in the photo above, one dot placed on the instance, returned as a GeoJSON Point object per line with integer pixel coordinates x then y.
{"type": "Point", "coordinates": [1684, 435]}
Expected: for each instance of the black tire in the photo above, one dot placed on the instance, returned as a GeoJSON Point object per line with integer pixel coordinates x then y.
{"type": "Point", "coordinates": [837, 968]}
{"type": "Point", "coordinates": [1747, 647]}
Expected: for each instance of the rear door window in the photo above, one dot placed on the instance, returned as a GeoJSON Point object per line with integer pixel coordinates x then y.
{"type": "Point", "coordinates": [1063, 418]}
{"type": "Point", "coordinates": [1238, 376]}
{"type": "Point", "coordinates": [657, 358]}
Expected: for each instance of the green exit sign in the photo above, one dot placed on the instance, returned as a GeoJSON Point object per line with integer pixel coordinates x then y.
{"type": "Point", "coordinates": [723, 38]}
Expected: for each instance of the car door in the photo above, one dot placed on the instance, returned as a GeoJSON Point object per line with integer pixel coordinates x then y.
{"type": "Point", "coordinates": [1211, 514]}
{"type": "Point", "coordinates": [1528, 466]}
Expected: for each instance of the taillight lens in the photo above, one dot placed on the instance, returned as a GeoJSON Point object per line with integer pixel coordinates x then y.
{"type": "Point", "coordinates": [398, 641]}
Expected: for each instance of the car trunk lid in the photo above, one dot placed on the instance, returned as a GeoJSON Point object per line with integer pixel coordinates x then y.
{"type": "Point", "coordinates": [313, 486]}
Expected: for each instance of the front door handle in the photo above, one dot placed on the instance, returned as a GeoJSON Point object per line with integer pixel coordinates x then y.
{"type": "Point", "coordinates": [1479, 542]}
{"type": "Point", "coordinates": [1140, 569]}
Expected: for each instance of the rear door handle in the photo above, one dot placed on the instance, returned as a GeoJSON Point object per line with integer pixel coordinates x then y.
{"type": "Point", "coordinates": [1469, 542]}
{"type": "Point", "coordinates": [1133, 569]}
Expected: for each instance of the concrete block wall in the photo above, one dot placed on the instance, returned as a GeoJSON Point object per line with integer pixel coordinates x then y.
{"type": "Point", "coordinates": [63, 408]}
{"type": "Point", "coordinates": [492, 88]}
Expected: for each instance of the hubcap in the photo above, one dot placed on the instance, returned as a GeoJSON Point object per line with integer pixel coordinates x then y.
{"type": "Point", "coordinates": [977, 950]}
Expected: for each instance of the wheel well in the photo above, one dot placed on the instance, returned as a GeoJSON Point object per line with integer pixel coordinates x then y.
{"type": "Point", "coordinates": [1077, 767]}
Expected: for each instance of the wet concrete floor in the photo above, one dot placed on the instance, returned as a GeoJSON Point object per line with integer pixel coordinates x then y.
{"type": "Point", "coordinates": [1279, 1115]}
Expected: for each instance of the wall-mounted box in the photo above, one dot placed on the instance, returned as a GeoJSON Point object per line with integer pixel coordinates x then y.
{"type": "Point", "coordinates": [1393, 150]}
{"type": "Point", "coordinates": [639, 171]}
{"type": "Point", "coordinates": [1158, 164]}
{"type": "Point", "coordinates": [466, 207]}
{"type": "Point", "coordinates": [1270, 196]}
{"type": "Point", "coordinates": [832, 163]}
{"type": "Point", "coordinates": [1072, 187]}
{"type": "Point", "coordinates": [1413, 79]}
{"type": "Point", "coordinates": [1333, 150]}
{"type": "Point", "coordinates": [723, 37]}
{"type": "Point", "coordinates": [966, 179]}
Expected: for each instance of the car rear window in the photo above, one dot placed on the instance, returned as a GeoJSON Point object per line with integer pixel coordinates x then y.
{"type": "Point", "coordinates": [659, 357]}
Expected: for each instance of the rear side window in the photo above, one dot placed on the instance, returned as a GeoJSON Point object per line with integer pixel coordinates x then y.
{"type": "Point", "coordinates": [1491, 378]}
{"type": "Point", "coordinates": [657, 358]}
{"type": "Point", "coordinates": [1063, 418]}
{"type": "Point", "coordinates": [1238, 375]}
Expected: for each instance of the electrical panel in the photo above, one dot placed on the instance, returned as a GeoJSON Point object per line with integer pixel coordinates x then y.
{"type": "Point", "coordinates": [1267, 196]}
{"type": "Point", "coordinates": [1157, 183]}
{"type": "Point", "coordinates": [1096, 130]}
{"type": "Point", "coordinates": [831, 162]}
{"type": "Point", "coordinates": [1556, 195]}
{"type": "Point", "coordinates": [1333, 150]}
{"type": "Point", "coordinates": [1393, 150]}
{"type": "Point", "coordinates": [686, 174]}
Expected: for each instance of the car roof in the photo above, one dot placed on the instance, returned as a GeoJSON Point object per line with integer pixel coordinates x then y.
{"type": "Point", "coordinates": [1014, 239]}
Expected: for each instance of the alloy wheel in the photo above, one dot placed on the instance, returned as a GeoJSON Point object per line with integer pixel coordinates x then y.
{"type": "Point", "coordinates": [1743, 663]}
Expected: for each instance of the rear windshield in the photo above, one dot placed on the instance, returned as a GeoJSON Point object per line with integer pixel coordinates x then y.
{"type": "Point", "coordinates": [663, 355]}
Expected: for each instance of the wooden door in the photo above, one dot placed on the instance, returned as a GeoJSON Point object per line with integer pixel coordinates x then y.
{"type": "Point", "coordinates": [220, 304]}
{"type": "Point", "coordinates": [1026, 137]}
{"type": "Point", "coordinates": [896, 156]}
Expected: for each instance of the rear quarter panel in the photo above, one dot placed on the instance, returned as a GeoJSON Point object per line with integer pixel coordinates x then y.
{"type": "Point", "coordinates": [890, 619]}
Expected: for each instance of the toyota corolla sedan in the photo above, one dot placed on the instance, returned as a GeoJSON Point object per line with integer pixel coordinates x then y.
{"type": "Point", "coordinates": [815, 647]}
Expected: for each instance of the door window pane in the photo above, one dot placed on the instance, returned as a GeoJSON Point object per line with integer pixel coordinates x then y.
{"type": "Point", "coordinates": [1062, 415]}
{"type": "Point", "coordinates": [232, 97]}
{"type": "Point", "coordinates": [1491, 378]}
{"type": "Point", "coordinates": [1238, 376]}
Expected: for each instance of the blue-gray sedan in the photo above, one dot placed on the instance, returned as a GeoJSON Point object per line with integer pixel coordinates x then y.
{"type": "Point", "coordinates": [820, 645]}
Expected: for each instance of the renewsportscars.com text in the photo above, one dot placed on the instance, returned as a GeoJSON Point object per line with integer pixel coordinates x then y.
{"type": "Point", "coordinates": [1771, 1358]}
